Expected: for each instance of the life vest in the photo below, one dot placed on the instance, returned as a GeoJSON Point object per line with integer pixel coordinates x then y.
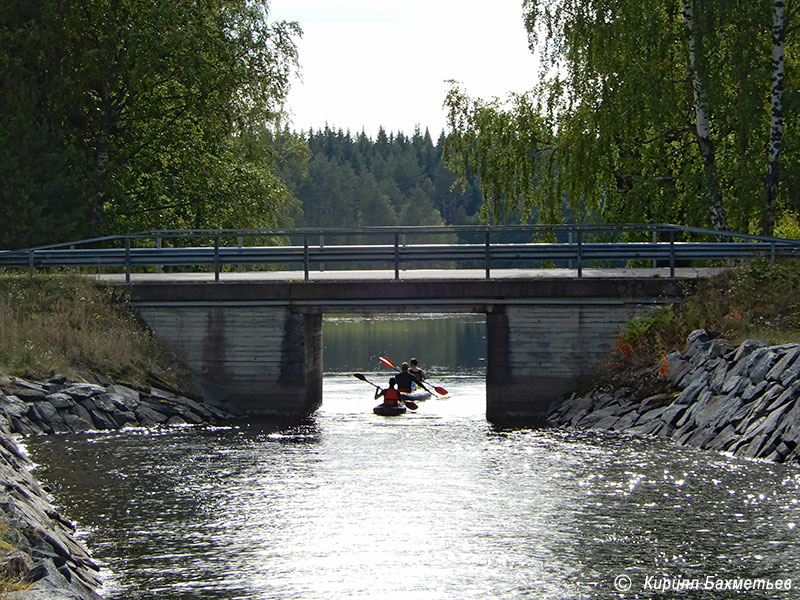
{"type": "Point", "coordinates": [391, 396]}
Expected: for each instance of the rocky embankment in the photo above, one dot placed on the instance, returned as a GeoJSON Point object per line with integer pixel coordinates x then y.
{"type": "Point", "coordinates": [742, 400]}
{"type": "Point", "coordinates": [46, 554]}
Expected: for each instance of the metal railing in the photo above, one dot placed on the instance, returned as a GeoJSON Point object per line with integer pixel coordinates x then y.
{"type": "Point", "coordinates": [523, 246]}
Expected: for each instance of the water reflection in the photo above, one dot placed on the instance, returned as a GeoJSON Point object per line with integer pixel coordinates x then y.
{"type": "Point", "coordinates": [444, 344]}
{"type": "Point", "coordinates": [434, 505]}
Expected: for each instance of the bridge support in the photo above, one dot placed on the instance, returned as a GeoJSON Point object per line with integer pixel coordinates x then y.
{"type": "Point", "coordinates": [538, 353]}
{"type": "Point", "coordinates": [266, 360]}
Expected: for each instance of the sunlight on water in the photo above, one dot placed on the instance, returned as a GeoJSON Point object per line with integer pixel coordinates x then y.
{"type": "Point", "coordinates": [436, 504]}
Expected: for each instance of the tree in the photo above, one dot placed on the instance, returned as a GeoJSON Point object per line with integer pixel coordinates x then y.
{"type": "Point", "coordinates": [164, 102]}
{"type": "Point", "coordinates": [658, 111]}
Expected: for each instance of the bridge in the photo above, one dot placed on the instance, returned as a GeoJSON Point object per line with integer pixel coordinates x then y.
{"type": "Point", "coordinates": [245, 308]}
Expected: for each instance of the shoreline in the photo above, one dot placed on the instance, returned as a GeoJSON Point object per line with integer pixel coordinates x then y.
{"type": "Point", "coordinates": [46, 554]}
{"type": "Point", "coordinates": [738, 400]}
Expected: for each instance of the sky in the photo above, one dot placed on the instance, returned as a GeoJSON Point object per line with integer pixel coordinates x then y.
{"type": "Point", "coordinates": [371, 63]}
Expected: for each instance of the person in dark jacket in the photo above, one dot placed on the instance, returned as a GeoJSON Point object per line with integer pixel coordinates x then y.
{"type": "Point", "coordinates": [405, 380]}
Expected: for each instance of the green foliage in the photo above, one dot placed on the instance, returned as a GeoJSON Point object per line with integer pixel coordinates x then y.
{"type": "Point", "coordinates": [392, 180]}
{"type": "Point", "coordinates": [752, 300]}
{"type": "Point", "coordinates": [612, 125]}
{"type": "Point", "coordinates": [132, 115]}
{"type": "Point", "coordinates": [508, 147]}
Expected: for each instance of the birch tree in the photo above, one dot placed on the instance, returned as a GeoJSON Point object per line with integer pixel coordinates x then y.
{"type": "Point", "coordinates": [672, 110]}
{"type": "Point", "coordinates": [775, 146]}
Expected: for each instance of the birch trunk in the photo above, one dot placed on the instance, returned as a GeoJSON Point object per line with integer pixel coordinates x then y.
{"type": "Point", "coordinates": [719, 219]}
{"type": "Point", "coordinates": [775, 147]}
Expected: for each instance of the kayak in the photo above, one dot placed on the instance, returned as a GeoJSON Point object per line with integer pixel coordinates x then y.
{"type": "Point", "coordinates": [416, 396]}
{"type": "Point", "coordinates": [387, 410]}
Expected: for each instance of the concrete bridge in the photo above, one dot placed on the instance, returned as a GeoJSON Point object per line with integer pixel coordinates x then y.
{"type": "Point", "coordinates": [553, 295]}
{"type": "Point", "coordinates": [259, 341]}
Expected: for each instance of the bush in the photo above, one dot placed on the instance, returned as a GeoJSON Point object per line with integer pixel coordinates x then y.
{"type": "Point", "coordinates": [751, 300]}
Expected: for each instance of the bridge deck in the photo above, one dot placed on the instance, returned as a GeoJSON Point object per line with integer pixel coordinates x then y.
{"type": "Point", "coordinates": [415, 275]}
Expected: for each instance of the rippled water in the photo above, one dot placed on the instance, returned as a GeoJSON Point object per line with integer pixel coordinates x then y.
{"type": "Point", "coordinates": [432, 505]}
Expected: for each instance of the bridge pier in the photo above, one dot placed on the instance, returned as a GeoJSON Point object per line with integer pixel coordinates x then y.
{"type": "Point", "coordinates": [266, 360]}
{"type": "Point", "coordinates": [540, 352]}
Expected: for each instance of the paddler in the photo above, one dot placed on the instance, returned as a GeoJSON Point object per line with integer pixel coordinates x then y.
{"type": "Point", "coordinates": [405, 380]}
{"type": "Point", "coordinates": [391, 396]}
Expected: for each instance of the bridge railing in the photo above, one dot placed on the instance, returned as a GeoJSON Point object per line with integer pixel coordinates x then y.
{"type": "Point", "coordinates": [400, 248]}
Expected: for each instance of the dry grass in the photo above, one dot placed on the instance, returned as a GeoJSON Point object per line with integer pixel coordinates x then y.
{"type": "Point", "coordinates": [67, 324]}
{"type": "Point", "coordinates": [9, 584]}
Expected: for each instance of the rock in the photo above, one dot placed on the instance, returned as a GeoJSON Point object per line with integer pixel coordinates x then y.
{"type": "Point", "coordinates": [789, 395]}
{"type": "Point", "coordinates": [753, 391]}
{"type": "Point", "coordinates": [718, 377]}
{"type": "Point", "coordinates": [81, 412]}
{"type": "Point", "coordinates": [673, 413]}
{"type": "Point", "coordinates": [124, 398]}
{"type": "Point", "coordinates": [149, 417]}
{"type": "Point", "coordinates": [28, 390]}
{"type": "Point", "coordinates": [104, 421]}
{"type": "Point", "coordinates": [14, 407]}
{"type": "Point", "coordinates": [78, 424]}
{"type": "Point", "coordinates": [647, 428]}
{"type": "Point", "coordinates": [746, 348]}
{"type": "Point", "coordinates": [724, 439]}
{"type": "Point", "coordinates": [595, 417]}
{"type": "Point", "coordinates": [655, 401]}
{"type": "Point", "coordinates": [784, 363]}
{"type": "Point", "coordinates": [734, 384]}
{"type": "Point", "coordinates": [696, 342]}
{"type": "Point", "coordinates": [758, 373]}
{"type": "Point", "coordinates": [60, 400]}
{"type": "Point", "coordinates": [81, 391]}
{"type": "Point", "coordinates": [15, 566]}
{"type": "Point", "coordinates": [790, 374]}
{"type": "Point", "coordinates": [46, 412]}
{"type": "Point", "coordinates": [607, 422]}
{"type": "Point", "coordinates": [124, 417]}
{"type": "Point", "coordinates": [105, 402]}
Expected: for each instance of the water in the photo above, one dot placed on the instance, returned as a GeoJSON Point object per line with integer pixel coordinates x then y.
{"type": "Point", "coordinates": [432, 505]}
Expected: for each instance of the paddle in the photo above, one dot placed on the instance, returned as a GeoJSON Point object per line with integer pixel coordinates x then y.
{"type": "Point", "coordinates": [408, 403]}
{"type": "Point", "coordinates": [439, 390]}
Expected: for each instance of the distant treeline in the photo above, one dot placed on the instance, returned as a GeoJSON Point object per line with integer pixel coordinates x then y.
{"type": "Point", "coordinates": [393, 179]}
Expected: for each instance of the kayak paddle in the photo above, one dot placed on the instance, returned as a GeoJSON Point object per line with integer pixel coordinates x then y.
{"type": "Point", "coordinates": [439, 390]}
{"type": "Point", "coordinates": [408, 403]}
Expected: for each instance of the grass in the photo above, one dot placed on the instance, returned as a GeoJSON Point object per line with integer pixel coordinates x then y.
{"type": "Point", "coordinates": [750, 301]}
{"type": "Point", "coordinates": [68, 324]}
{"type": "Point", "coordinates": [9, 584]}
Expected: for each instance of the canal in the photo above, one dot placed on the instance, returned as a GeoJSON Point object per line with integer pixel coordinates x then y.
{"type": "Point", "coordinates": [437, 504]}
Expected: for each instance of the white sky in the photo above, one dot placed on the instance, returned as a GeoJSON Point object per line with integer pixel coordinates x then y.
{"type": "Point", "coordinates": [367, 63]}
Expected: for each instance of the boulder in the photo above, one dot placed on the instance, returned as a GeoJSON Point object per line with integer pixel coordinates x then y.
{"type": "Point", "coordinates": [81, 391]}
{"type": "Point", "coordinates": [746, 348]}
{"type": "Point", "coordinates": [767, 360]}
{"type": "Point", "coordinates": [123, 397]}
{"type": "Point", "coordinates": [774, 374]}
{"type": "Point", "coordinates": [78, 424]}
{"type": "Point", "coordinates": [60, 400]}
{"type": "Point", "coordinates": [124, 417]}
{"type": "Point", "coordinates": [12, 406]}
{"type": "Point", "coordinates": [148, 416]}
